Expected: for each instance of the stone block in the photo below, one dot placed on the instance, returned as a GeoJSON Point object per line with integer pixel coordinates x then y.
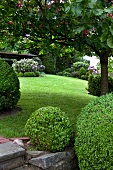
{"type": "Point", "coordinates": [70, 153]}
{"type": "Point", "coordinates": [10, 150]}
{"type": "Point", "coordinates": [60, 166]}
{"type": "Point", "coordinates": [11, 156]}
{"type": "Point", "coordinates": [34, 154]}
{"type": "Point", "coordinates": [63, 165]}
{"type": "Point", "coordinates": [48, 160]}
{"type": "Point", "coordinates": [12, 163]}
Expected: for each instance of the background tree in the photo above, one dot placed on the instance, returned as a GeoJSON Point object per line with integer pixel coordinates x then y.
{"type": "Point", "coordinates": [84, 25]}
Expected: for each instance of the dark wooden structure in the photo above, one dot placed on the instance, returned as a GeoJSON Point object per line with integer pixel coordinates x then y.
{"type": "Point", "coordinates": [16, 56]}
{"type": "Point", "coordinates": [9, 56]}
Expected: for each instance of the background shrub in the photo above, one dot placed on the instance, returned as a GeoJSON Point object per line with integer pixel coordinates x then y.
{"type": "Point", "coordinates": [66, 72]}
{"type": "Point", "coordinates": [75, 74]}
{"type": "Point", "coordinates": [49, 129]}
{"type": "Point", "coordinates": [92, 70]}
{"type": "Point", "coordinates": [82, 71]}
{"type": "Point", "coordinates": [49, 63]}
{"type": "Point", "coordinates": [94, 83]}
{"type": "Point", "coordinates": [94, 140]}
{"type": "Point", "coordinates": [84, 77]}
{"type": "Point", "coordinates": [69, 70]}
{"type": "Point", "coordinates": [20, 74]}
{"type": "Point", "coordinates": [25, 65]}
{"type": "Point", "coordinates": [37, 74]}
{"type": "Point", "coordinates": [9, 86]}
{"type": "Point", "coordinates": [28, 65]}
{"type": "Point", "coordinates": [60, 73]}
{"type": "Point", "coordinates": [110, 84]}
{"type": "Point", "coordinates": [29, 74]}
{"type": "Point", "coordinates": [76, 66]}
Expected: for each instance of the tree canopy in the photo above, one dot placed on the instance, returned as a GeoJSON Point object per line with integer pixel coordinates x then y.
{"type": "Point", "coordinates": [86, 25]}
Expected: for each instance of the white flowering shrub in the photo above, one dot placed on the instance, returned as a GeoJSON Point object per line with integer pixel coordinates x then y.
{"type": "Point", "coordinates": [27, 65]}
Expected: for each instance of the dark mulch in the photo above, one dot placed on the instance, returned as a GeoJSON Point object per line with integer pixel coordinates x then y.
{"type": "Point", "coordinates": [8, 112]}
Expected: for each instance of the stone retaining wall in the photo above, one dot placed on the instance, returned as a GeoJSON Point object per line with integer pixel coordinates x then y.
{"type": "Point", "coordinates": [54, 161]}
{"type": "Point", "coordinates": [13, 157]}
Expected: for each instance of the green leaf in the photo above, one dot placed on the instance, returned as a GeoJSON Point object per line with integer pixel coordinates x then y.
{"type": "Point", "coordinates": [78, 0]}
{"type": "Point", "coordinates": [67, 9]}
{"type": "Point", "coordinates": [109, 10]}
{"type": "Point", "coordinates": [98, 12]}
{"type": "Point", "coordinates": [92, 3]}
{"type": "Point", "coordinates": [104, 36]}
{"type": "Point", "coordinates": [1, 6]}
{"type": "Point", "coordinates": [111, 29]}
{"type": "Point", "coordinates": [78, 30]}
{"type": "Point", "coordinates": [110, 41]}
{"type": "Point", "coordinates": [41, 52]}
{"type": "Point", "coordinates": [77, 9]}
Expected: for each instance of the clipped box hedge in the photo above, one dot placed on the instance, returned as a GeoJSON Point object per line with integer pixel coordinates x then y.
{"type": "Point", "coordinates": [9, 86]}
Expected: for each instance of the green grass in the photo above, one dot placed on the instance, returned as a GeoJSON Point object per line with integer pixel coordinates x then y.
{"type": "Point", "coordinates": [67, 93]}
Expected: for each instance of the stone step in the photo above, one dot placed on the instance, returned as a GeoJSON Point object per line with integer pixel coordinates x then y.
{"type": "Point", "coordinates": [11, 156]}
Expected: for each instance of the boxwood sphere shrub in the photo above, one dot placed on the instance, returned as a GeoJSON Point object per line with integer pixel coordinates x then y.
{"type": "Point", "coordinates": [9, 86]}
{"type": "Point", "coordinates": [94, 139]}
{"type": "Point", "coordinates": [49, 129]}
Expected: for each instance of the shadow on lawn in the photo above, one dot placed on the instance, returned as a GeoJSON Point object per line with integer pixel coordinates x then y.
{"type": "Point", "coordinates": [8, 112]}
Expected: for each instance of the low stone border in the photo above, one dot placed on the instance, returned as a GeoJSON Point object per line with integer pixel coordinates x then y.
{"type": "Point", "coordinates": [65, 160]}
{"type": "Point", "coordinates": [14, 157]}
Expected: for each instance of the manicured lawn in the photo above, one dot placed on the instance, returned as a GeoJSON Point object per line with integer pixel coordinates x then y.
{"type": "Point", "coordinates": [65, 92]}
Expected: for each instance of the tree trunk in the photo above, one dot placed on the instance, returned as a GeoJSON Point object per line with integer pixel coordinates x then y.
{"type": "Point", "coordinates": [104, 74]}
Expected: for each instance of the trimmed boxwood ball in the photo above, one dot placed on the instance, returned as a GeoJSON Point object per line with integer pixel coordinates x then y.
{"type": "Point", "coordinates": [49, 129]}
{"type": "Point", "coordinates": [94, 140]}
{"type": "Point", "coordinates": [9, 86]}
